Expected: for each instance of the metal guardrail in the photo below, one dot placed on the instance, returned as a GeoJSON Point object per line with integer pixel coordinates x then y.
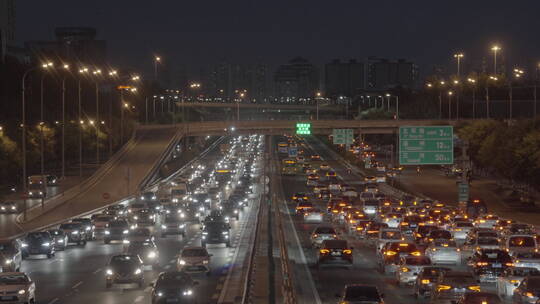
{"type": "Point", "coordinates": [246, 295]}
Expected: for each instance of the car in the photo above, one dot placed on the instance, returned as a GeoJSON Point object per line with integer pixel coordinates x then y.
{"type": "Point", "coordinates": [173, 287]}
{"type": "Point", "coordinates": [387, 235]}
{"type": "Point", "coordinates": [444, 252]}
{"type": "Point", "coordinates": [302, 206]}
{"type": "Point", "coordinates": [471, 245]}
{"type": "Point", "coordinates": [230, 210]}
{"type": "Point", "coordinates": [370, 205]}
{"type": "Point", "coordinates": [324, 166]}
{"type": "Point", "coordinates": [10, 256]}
{"type": "Point", "coordinates": [36, 191]}
{"type": "Point", "coordinates": [426, 279]}
{"type": "Point", "coordinates": [520, 243]}
{"type": "Point", "coordinates": [438, 234]}
{"type": "Point", "coordinates": [527, 259]}
{"type": "Point", "coordinates": [86, 225]}
{"type": "Point", "coordinates": [361, 294]}
{"type": "Point", "coordinates": [99, 224]}
{"type": "Point", "coordinates": [409, 267]}
{"type": "Point", "coordinates": [422, 231]}
{"type": "Point", "coordinates": [116, 230]}
{"type": "Point", "coordinates": [486, 221]}
{"type": "Point", "coordinates": [299, 196]}
{"type": "Point", "coordinates": [147, 252]}
{"type": "Point", "coordinates": [511, 278]}
{"type": "Point", "coordinates": [60, 239]}
{"type": "Point", "coordinates": [392, 253]}
{"type": "Point", "coordinates": [313, 215]}
{"type": "Point", "coordinates": [312, 180]}
{"type": "Point", "coordinates": [75, 232]}
{"type": "Point", "coordinates": [321, 234]}
{"type": "Point", "coordinates": [38, 243]}
{"type": "Point", "coordinates": [194, 260]}
{"type": "Point", "coordinates": [315, 157]}
{"type": "Point", "coordinates": [145, 217]}
{"type": "Point", "coordinates": [370, 179]}
{"type": "Point", "coordinates": [528, 291]}
{"type": "Point", "coordinates": [173, 224]}
{"type": "Point", "coordinates": [480, 298]}
{"type": "Point", "coordinates": [148, 196]}
{"type": "Point", "coordinates": [489, 264]}
{"type": "Point", "coordinates": [393, 220]}
{"type": "Point", "coordinates": [460, 229]}
{"type": "Point", "coordinates": [216, 232]}
{"type": "Point", "coordinates": [124, 269]}
{"type": "Point", "coordinates": [140, 234]}
{"type": "Point", "coordinates": [8, 207]}
{"type": "Point", "coordinates": [349, 192]}
{"type": "Point", "coordinates": [452, 285]}
{"type": "Point", "coordinates": [17, 287]}
{"type": "Point", "coordinates": [335, 252]}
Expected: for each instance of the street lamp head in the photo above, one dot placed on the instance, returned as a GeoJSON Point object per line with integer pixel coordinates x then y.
{"type": "Point", "coordinates": [495, 48]}
{"type": "Point", "coordinates": [97, 72]}
{"type": "Point", "coordinates": [387, 95]}
{"type": "Point", "coordinates": [83, 70]}
{"type": "Point", "coordinates": [66, 66]}
{"type": "Point", "coordinates": [459, 55]}
{"type": "Point", "coordinates": [450, 93]}
{"type": "Point", "coordinates": [135, 78]}
{"type": "Point", "coordinates": [442, 82]}
{"type": "Point", "coordinates": [113, 73]}
{"type": "Point", "coordinates": [158, 58]}
{"type": "Point", "coordinates": [471, 80]}
{"type": "Point", "coordinates": [429, 85]}
{"type": "Point", "coordinates": [456, 81]}
{"type": "Point", "coordinates": [47, 65]}
{"type": "Point", "coordinates": [493, 78]}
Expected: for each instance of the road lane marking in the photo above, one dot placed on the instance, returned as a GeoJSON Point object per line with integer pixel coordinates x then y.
{"type": "Point", "coordinates": [148, 289]}
{"type": "Point", "coordinates": [54, 301]}
{"type": "Point", "coordinates": [139, 299]}
{"type": "Point", "coordinates": [97, 271]}
{"type": "Point", "coordinates": [77, 285]}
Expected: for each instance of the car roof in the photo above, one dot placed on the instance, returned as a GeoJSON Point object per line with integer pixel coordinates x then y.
{"type": "Point", "coordinates": [334, 244]}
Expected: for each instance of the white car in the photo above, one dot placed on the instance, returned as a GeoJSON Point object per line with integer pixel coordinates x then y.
{"type": "Point", "coordinates": [444, 252]}
{"type": "Point", "coordinates": [511, 279]}
{"type": "Point", "coordinates": [322, 233]}
{"type": "Point", "coordinates": [472, 245]}
{"type": "Point", "coordinates": [527, 259]}
{"type": "Point", "coordinates": [313, 215]}
{"type": "Point", "coordinates": [17, 287]}
{"type": "Point", "coordinates": [366, 196]}
{"type": "Point", "coordinates": [393, 220]}
{"type": "Point", "coordinates": [460, 230]}
{"type": "Point", "coordinates": [486, 221]}
{"type": "Point", "coordinates": [371, 207]}
{"type": "Point", "coordinates": [194, 260]}
{"type": "Point", "coordinates": [409, 267]}
{"type": "Point", "coordinates": [350, 192]}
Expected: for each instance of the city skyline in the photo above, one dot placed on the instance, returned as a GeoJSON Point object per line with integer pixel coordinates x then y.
{"type": "Point", "coordinates": [243, 32]}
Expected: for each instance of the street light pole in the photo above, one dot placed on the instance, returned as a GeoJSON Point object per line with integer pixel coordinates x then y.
{"type": "Point", "coordinates": [41, 139]}
{"type": "Point", "coordinates": [121, 116]}
{"type": "Point", "coordinates": [495, 49]}
{"type": "Point", "coordinates": [487, 101]}
{"type": "Point", "coordinates": [440, 104]}
{"type": "Point", "coordinates": [64, 127]}
{"type": "Point", "coordinates": [397, 107]}
{"type": "Point", "coordinates": [97, 123]}
{"type": "Point", "coordinates": [80, 123]}
{"type": "Point", "coordinates": [24, 177]}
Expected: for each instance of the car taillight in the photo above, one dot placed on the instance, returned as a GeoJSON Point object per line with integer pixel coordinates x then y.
{"type": "Point", "coordinates": [324, 251]}
{"type": "Point", "coordinates": [390, 253]}
{"type": "Point", "coordinates": [416, 253]}
{"type": "Point", "coordinates": [425, 282]}
{"type": "Point", "coordinates": [509, 264]}
{"type": "Point", "coordinates": [347, 251]}
{"type": "Point", "coordinates": [474, 288]}
{"type": "Point", "coordinates": [481, 264]}
{"type": "Point", "coordinates": [443, 287]}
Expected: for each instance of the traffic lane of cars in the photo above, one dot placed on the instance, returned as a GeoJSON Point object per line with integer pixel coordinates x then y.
{"type": "Point", "coordinates": [330, 280]}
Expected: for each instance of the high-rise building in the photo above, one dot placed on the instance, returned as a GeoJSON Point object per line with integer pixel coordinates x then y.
{"type": "Point", "coordinates": [343, 78]}
{"type": "Point", "coordinates": [296, 79]}
{"type": "Point", "coordinates": [72, 44]}
{"type": "Point", "coordinates": [383, 74]}
{"type": "Point", "coordinates": [7, 26]}
{"type": "Point", "coordinates": [228, 80]}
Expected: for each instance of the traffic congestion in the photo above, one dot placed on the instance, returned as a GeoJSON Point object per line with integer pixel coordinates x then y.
{"type": "Point", "coordinates": [366, 242]}
{"type": "Point", "coordinates": [173, 243]}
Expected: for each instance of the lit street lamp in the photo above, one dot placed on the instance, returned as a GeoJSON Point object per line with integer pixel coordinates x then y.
{"type": "Point", "coordinates": [473, 82]}
{"type": "Point", "coordinates": [318, 96]}
{"type": "Point", "coordinates": [495, 49]}
{"type": "Point", "coordinates": [492, 78]}
{"type": "Point", "coordinates": [65, 67]}
{"type": "Point", "coordinates": [46, 66]}
{"type": "Point", "coordinates": [458, 57]}
{"type": "Point", "coordinates": [82, 71]}
{"type": "Point", "coordinates": [157, 60]}
{"type": "Point", "coordinates": [450, 93]}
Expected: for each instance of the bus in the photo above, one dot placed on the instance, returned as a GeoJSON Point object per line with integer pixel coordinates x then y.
{"type": "Point", "coordinates": [283, 147]}
{"type": "Point", "coordinates": [289, 166]}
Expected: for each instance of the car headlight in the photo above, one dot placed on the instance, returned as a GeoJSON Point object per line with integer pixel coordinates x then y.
{"type": "Point", "coordinates": [235, 211]}
{"type": "Point", "coordinates": [109, 272]}
{"type": "Point", "coordinates": [182, 226]}
{"type": "Point", "coordinates": [75, 232]}
{"type": "Point", "coordinates": [3, 208]}
{"type": "Point", "coordinates": [163, 227]}
{"type": "Point", "coordinates": [152, 254]}
{"type": "Point", "coordinates": [175, 200]}
{"type": "Point", "coordinates": [60, 241]}
{"type": "Point", "coordinates": [225, 232]}
{"type": "Point", "coordinates": [182, 262]}
{"type": "Point", "coordinates": [125, 241]}
{"type": "Point", "coordinates": [201, 209]}
{"type": "Point", "coordinates": [125, 231]}
{"type": "Point", "coordinates": [135, 217]}
{"type": "Point", "coordinates": [142, 198]}
{"type": "Point", "coordinates": [138, 271]}
{"type": "Point", "coordinates": [160, 294]}
{"type": "Point", "coordinates": [182, 215]}
{"type": "Point", "coordinates": [188, 292]}
{"type": "Point", "coordinates": [24, 245]}
{"type": "Point", "coordinates": [22, 291]}
{"type": "Point", "coordinates": [8, 261]}
{"type": "Point", "coordinates": [107, 232]}
{"type": "Point", "coordinates": [205, 262]}
{"type": "Point", "coordinates": [153, 197]}
{"type": "Point", "coordinates": [88, 228]}
{"type": "Point", "coordinates": [205, 233]}
{"type": "Point", "coordinates": [46, 244]}
{"type": "Point", "coordinates": [226, 218]}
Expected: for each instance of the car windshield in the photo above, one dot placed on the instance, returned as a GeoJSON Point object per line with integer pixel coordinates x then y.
{"type": "Point", "coordinates": [464, 224]}
{"type": "Point", "coordinates": [138, 205]}
{"type": "Point", "coordinates": [482, 298]}
{"type": "Point", "coordinates": [362, 293]}
{"type": "Point", "coordinates": [325, 230]}
{"type": "Point", "coordinates": [444, 244]}
{"type": "Point", "coordinates": [417, 261]}
{"type": "Point", "coordinates": [488, 241]}
{"type": "Point", "coordinates": [177, 279]}
{"type": "Point", "coordinates": [135, 246]}
{"type": "Point", "coordinates": [528, 255]}
{"type": "Point", "coordinates": [172, 219]}
{"type": "Point", "coordinates": [371, 203]}
{"type": "Point", "coordinates": [521, 241]}
{"type": "Point", "coordinates": [403, 247]}
{"type": "Point", "coordinates": [38, 235]}
{"type": "Point", "coordinates": [123, 260]}
{"type": "Point", "coordinates": [494, 255]}
{"type": "Point", "coordinates": [487, 234]}
{"type": "Point", "coordinates": [118, 224]}
{"type": "Point", "coordinates": [431, 272]}
{"type": "Point", "coordinates": [13, 279]}
{"type": "Point", "coordinates": [440, 234]}
{"type": "Point", "coordinates": [523, 272]}
{"type": "Point", "coordinates": [70, 226]}
{"type": "Point", "coordinates": [391, 235]}
{"type": "Point", "coordinates": [195, 252]}
{"type": "Point", "coordinates": [140, 232]}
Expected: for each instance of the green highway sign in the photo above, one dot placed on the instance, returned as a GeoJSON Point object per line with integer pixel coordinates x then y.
{"type": "Point", "coordinates": [463, 192]}
{"type": "Point", "coordinates": [432, 145]}
{"type": "Point", "coordinates": [343, 136]}
{"type": "Point", "coordinates": [303, 128]}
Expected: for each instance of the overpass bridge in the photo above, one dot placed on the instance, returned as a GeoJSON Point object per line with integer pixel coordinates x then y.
{"type": "Point", "coordinates": [271, 106]}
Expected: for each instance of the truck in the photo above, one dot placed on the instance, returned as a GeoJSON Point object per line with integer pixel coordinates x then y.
{"type": "Point", "coordinates": [179, 192]}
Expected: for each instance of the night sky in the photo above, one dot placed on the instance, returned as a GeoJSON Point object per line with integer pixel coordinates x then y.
{"type": "Point", "coordinates": [200, 32]}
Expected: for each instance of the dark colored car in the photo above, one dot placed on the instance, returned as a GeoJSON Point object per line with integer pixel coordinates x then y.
{"type": "Point", "coordinates": [173, 287]}
{"type": "Point", "coordinates": [528, 291]}
{"type": "Point", "coordinates": [8, 207]}
{"type": "Point", "coordinates": [335, 252]}
{"type": "Point", "coordinates": [480, 298]}
{"type": "Point", "coordinates": [489, 264]}
{"type": "Point", "coordinates": [425, 280]}
{"type": "Point", "coordinates": [230, 211]}
{"type": "Point", "coordinates": [361, 294]}
{"type": "Point", "coordinates": [116, 231]}
{"type": "Point", "coordinates": [422, 231]}
{"type": "Point", "coordinates": [87, 225]}
{"type": "Point", "coordinates": [143, 217]}
{"type": "Point", "coordinates": [392, 253]}
{"type": "Point", "coordinates": [124, 269]}
{"type": "Point", "coordinates": [216, 232]}
{"type": "Point", "coordinates": [38, 243]}
{"type": "Point", "coordinates": [75, 232]}
{"type": "Point", "coordinates": [148, 196]}
{"type": "Point", "coordinates": [173, 224]}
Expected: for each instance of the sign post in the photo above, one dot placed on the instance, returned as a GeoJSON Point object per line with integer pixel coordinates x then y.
{"type": "Point", "coordinates": [430, 145]}
{"type": "Point", "coordinates": [343, 137]}
{"type": "Point", "coordinates": [293, 151]}
{"type": "Point", "coordinates": [463, 192]}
